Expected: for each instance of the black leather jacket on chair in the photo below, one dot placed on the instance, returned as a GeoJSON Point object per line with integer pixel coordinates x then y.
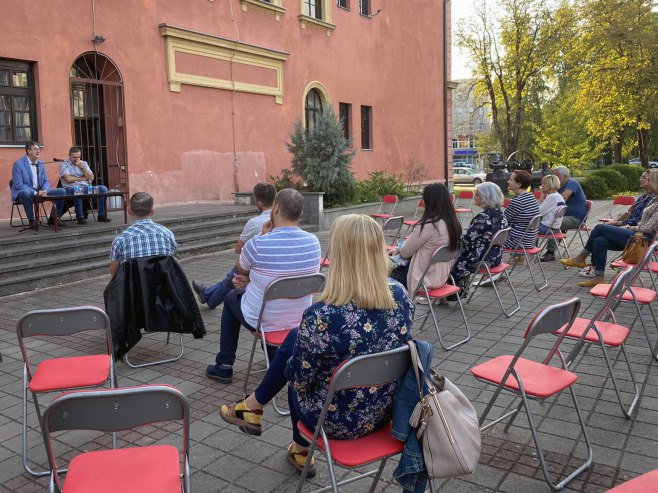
{"type": "Point", "coordinates": [150, 293]}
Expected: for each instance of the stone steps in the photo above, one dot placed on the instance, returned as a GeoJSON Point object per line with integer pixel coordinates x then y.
{"type": "Point", "coordinates": [29, 261]}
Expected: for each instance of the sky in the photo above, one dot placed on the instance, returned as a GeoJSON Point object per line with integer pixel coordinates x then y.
{"type": "Point", "coordinates": [460, 9]}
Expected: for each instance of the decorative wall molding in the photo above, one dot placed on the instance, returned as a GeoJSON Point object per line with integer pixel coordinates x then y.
{"type": "Point", "coordinates": [275, 7]}
{"type": "Point", "coordinates": [180, 40]}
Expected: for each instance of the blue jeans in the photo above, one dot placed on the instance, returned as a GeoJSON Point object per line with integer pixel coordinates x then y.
{"type": "Point", "coordinates": [543, 229]}
{"type": "Point", "coordinates": [216, 293]}
{"type": "Point", "coordinates": [275, 380]}
{"type": "Point", "coordinates": [232, 319]}
{"type": "Point", "coordinates": [603, 238]}
{"type": "Point", "coordinates": [77, 203]}
{"type": "Point", "coordinates": [25, 197]}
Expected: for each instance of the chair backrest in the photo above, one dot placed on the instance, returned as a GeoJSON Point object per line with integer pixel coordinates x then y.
{"type": "Point", "coordinates": [533, 225]}
{"type": "Point", "coordinates": [388, 204]}
{"type": "Point", "coordinates": [506, 202]}
{"type": "Point", "coordinates": [394, 225]}
{"type": "Point", "coordinates": [111, 410]}
{"type": "Point", "coordinates": [499, 238]}
{"type": "Point", "coordinates": [366, 371]}
{"type": "Point", "coordinates": [441, 254]}
{"type": "Point", "coordinates": [291, 288]}
{"type": "Point", "coordinates": [619, 284]}
{"type": "Point", "coordinates": [548, 321]}
{"type": "Point", "coordinates": [537, 194]}
{"type": "Point", "coordinates": [62, 322]}
{"type": "Point", "coordinates": [466, 194]}
{"type": "Point", "coordinates": [420, 207]}
{"type": "Point", "coordinates": [390, 199]}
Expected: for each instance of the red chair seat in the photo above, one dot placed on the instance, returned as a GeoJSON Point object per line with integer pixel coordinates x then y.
{"type": "Point", "coordinates": [613, 334]}
{"type": "Point", "coordinates": [71, 373]}
{"type": "Point", "coordinates": [605, 219]}
{"type": "Point", "coordinates": [529, 251]}
{"type": "Point", "coordinates": [324, 262]}
{"type": "Point", "coordinates": [583, 228]}
{"type": "Point", "coordinates": [496, 270]}
{"type": "Point", "coordinates": [643, 295]}
{"type": "Point", "coordinates": [462, 210]}
{"type": "Point", "coordinates": [381, 216]}
{"type": "Point", "coordinates": [557, 236]}
{"type": "Point", "coordinates": [620, 264]}
{"type": "Point", "coordinates": [410, 222]}
{"type": "Point", "coordinates": [642, 484]}
{"type": "Point", "coordinates": [538, 380]}
{"type": "Point", "coordinates": [364, 450]}
{"type": "Point", "coordinates": [275, 337]}
{"type": "Point", "coordinates": [153, 469]}
{"type": "Point", "coordinates": [441, 292]}
{"type": "Point", "coordinates": [390, 247]}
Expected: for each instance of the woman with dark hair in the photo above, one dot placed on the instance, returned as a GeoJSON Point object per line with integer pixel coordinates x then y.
{"type": "Point", "coordinates": [438, 226]}
{"type": "Point", "coordinates": [520, 211]}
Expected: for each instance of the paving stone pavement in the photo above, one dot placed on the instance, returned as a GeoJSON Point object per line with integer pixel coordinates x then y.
{"type": "Point", "coordinates": [223, 459]}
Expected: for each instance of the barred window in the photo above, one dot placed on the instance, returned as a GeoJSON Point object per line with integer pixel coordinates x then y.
{"type": "Point", "coordinates": [17, 104]}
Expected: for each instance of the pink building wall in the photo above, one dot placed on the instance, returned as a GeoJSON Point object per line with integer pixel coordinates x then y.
{"type": "Point", "coordinates": [180, 145]}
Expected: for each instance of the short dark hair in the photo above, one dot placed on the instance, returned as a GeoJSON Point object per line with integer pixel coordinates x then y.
{"type": "Point", "coordinates": [74, 149]}
{"type": "Point", "coordinates": [141, 204]}
{"type": "Point", "coordinates": [291, 203]}
{"type": "Point", "coordinates": [30, 144]}
{"type": "Point", "coordinates": [523, 178]}
{"type": "Point", "coordinates": [265, 193]}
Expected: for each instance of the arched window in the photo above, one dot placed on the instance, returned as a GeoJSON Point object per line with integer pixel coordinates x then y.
{"type": "Point", "coordinates": [313, 108]}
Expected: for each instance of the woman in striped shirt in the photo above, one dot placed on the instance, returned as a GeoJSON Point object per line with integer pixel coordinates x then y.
{"type": "Point", "coordinates": [521, 210]}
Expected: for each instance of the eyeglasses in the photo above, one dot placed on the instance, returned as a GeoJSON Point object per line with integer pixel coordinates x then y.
{"type": "Point", "coordinates": [34, 148]}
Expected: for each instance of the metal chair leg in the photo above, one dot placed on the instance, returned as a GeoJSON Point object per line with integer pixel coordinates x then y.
{"type": "Point", "coordinates": [158, 362]}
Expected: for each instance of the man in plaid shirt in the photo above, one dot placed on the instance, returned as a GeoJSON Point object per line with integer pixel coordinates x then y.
{"type": "Point", "coordinates": [144, 238]}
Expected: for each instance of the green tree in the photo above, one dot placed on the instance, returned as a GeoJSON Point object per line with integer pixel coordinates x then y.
{"type": "Point", "coordinates": [618, 70]}
{"type": "Point", "coordinates": [322, 157]}
{"type": "Point", "coordinates": [514, 49]}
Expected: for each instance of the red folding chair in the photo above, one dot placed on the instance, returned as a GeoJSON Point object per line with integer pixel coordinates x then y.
{"type": "Point", "coordinates": [640, 297]}
{"type": "Point", "coordinates": [537, 194]}
{"type": "Point", "coordinates": [582, 231]}
{"type": "Point", "coordinates": [529, 253]}
{"type": "Point", "coordinates": [147, 469]}
{"type": "Point", "coordinates": [410, 223]}
{"type": "Point", "coordinates": [386, 207]}
{"type": "Point", "coordinates": [603, 330]}
{"type": "Point", "coordinates": [66, 373]}
{"type": "Point", "coordinates": [624, 200]}
{"type": "Point", "coordinates": [558, 237]}
{"type": "Point", "coordinates": [506, 202]}
{"type": "Point", "coordinates": [283, 288]}
{"type": "Point", "coordinates": [528, 379]}
{"type": "Point", "coordinates": [483, 268]}
{"type": "Point", "coordinates": [465, 195]}
{"type": "Point", "coordinates": [442, 254]}
{"type": "Point", "coordinates": [361, 371]}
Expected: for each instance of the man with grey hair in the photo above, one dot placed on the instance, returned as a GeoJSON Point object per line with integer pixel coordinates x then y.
{"type": "Point", "coordinates": [143, 238]}
{"type": "Point", "coordinates": [574, 197]}
{"type": "Point", "coordinates": [283, 250]}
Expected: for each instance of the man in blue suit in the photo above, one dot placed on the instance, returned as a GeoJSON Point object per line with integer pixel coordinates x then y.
{"type": "Point", "coordinates": [30, 179]}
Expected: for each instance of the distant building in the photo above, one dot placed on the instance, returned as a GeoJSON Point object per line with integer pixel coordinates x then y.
{"type": "Point", "coordinates": [470, 120]}
{"type": "Point", "coordinates": [194, 99]}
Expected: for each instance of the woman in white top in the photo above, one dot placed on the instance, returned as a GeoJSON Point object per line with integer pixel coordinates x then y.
{"type": "Point", "coordinates": [549, 203]}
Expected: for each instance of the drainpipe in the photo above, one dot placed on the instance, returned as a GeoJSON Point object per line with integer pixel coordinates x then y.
{"type": "Point", "coordinates": [445, 88]}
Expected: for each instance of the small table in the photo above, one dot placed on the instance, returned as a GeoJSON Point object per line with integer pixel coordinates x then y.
{"type": "Point", "coordinates": [40, 199]}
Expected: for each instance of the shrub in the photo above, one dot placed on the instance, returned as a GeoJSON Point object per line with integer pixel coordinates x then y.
{"type": "Point", "coordinates": [632, 172]}
{"type": "Point", "coordinates": [286, 180]}
{"type": "Point", "coordinates": [614, 179]}
{"type": "Point", "coordinates": [595, 187]}
{"type": "Point", "coordinates": [322, 158]}
{"type": "Point", "coordinates": [378, 184]}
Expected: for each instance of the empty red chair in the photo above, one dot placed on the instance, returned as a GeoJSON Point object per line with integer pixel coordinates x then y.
{"type": "Point", "coordinates": [624, 200]}
{"type": "Point", "coordinates": [647, 483]}
{"type": "Point", "coordinates": [386, 207]}
{"type": "Point", "coordinates": [410, 223]}
{"type": "Point", "coordinates": [465, 195]}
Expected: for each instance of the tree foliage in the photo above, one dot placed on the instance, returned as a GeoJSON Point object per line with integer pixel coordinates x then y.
{"type": "Point", "coordinates": [322, 157]}
{"type": "Point", "coordinates": [515, 47]}
{"type": "Point", "coordinates": [617, 69]}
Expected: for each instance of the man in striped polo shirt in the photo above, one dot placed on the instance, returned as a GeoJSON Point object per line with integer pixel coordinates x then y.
{"type": "Point", "coordinates": [283, 250]}
{"type": "Point", "coordinates": [143, 238]}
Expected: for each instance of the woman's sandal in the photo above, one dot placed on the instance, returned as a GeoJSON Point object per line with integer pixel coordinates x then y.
{"type": "Point", "coordinates": [297, 459]}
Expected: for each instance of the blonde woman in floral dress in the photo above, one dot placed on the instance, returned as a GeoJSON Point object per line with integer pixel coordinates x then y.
{"type": "Point", "coordinates": [361, 311]}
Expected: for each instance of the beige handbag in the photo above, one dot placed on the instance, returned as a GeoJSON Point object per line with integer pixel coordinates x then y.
{"type": "Point", "coordinates": [635, 249]}
{"type": "Point", "coordinates": [448, 426]}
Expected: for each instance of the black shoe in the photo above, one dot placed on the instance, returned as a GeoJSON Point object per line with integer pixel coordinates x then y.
{"type": "Point", "coordinates": [199, 289]}
{"type": "Point", "coordinates": [219, 374]}
{"type": "Point", "coordinates": [547, 257]}
{"type": "Point", "coordinates": [82, 220]}
{"type": "Point", "coordinates": [103, 219]}
{"type": "Point", "coordinates": [51, 222]}
{"type": "Point", "coordinates": [33, 225]}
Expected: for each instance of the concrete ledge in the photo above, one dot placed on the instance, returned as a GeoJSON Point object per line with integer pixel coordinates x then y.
{"type": "Point", "coordinates": [405, 207]}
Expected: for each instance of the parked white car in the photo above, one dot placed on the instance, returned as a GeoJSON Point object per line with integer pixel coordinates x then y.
{"type": "Point", "coordinates": [466, 175]}
{"type": "Point", "coordinates": [636, 160]}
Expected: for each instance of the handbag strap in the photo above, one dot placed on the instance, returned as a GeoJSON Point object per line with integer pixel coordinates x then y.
{"type": "Point", "coordinates": [416, 365]}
